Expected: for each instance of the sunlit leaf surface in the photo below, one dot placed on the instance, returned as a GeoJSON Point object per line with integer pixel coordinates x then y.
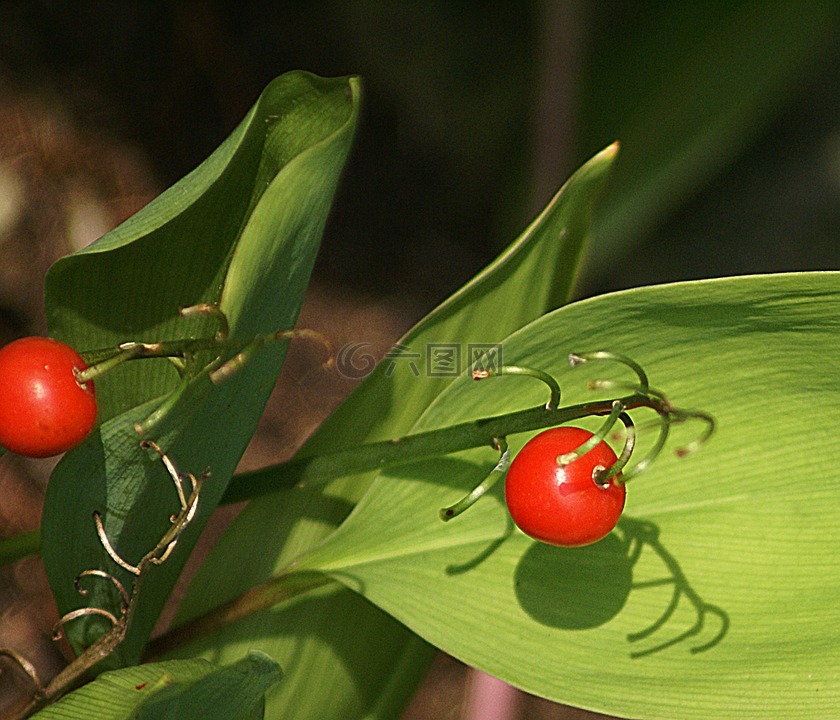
{"type": "Point", "coordinates": [716, 596]}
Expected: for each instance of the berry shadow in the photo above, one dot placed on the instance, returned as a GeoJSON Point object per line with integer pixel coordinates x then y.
{"type": "Point", "coordinates": [574, 588]}
{"type": "Point", "coordinates": [583, 588]}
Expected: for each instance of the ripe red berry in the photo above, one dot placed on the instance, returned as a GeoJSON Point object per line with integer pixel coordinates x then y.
{"type": "Point", "coordinates": [563, 505]}
{"type": "Point", "coordinates": [43, 409]}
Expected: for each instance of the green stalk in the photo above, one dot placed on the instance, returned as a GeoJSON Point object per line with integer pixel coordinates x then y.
{"type": "Point", "coordinates": [318, 469]}
{"type": "Point", "coordinates": [264, 596]}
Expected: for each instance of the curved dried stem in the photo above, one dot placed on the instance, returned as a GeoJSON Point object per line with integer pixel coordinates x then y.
{"type": "Point", "coordinates": [643, 395]}
{"type": "Point", "coordinates": [106, 543]}
{"type": "Point", "coordinates": [679, 415]}
{"type": "Point", "coordinates": [171, 469]}
{"type": "Point", "coordinates": [189, 507]}
{"type": "Point", "coordinates": [597, 437]}
{"type": "Point", "coordinates": [184, 351]}
{"type": "Point", "coordinates": [58, 628]}
{"type": "Point", "coordinates": [553, 386]}
{"type": "Point", "coordinates": [241, 358]}
{"type": "Point", "coordinates": [101, 573]}
{"type": "Point", "coordinates": [647, 460]}
{"type": "Point", "coordinates": [643, 386]}
{"type": "Point", "coordinates": [111, 640]}
{"type": "Point", "coordinates": [603, 477]}
{"type": "Point", "coordinates": [27, 667]}
{"type": "Point", "coordinates": [213, 310]}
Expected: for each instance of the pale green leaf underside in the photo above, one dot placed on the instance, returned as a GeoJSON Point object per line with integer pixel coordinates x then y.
{"type": "Point", "coordinates": [183, 689]}
{"type": "Point", "coordinates": [752, 521]}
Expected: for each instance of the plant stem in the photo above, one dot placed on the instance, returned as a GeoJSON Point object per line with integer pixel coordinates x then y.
{"type": "Point", "coordinates": [102, 647]}
{"type": "Point", "coordinates": [264, 596]}
{"type": "Point", "coordinates": [318, 469]}
{"type": "Point", "coordinates": [105, 359]}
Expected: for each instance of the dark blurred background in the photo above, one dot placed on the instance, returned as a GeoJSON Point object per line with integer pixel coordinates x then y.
{"type": "Point", "coordinates": [473, 116]}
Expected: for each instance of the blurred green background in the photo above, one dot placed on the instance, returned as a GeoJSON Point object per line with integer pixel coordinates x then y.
{"type": "Point", "coordinates": [474, 113]}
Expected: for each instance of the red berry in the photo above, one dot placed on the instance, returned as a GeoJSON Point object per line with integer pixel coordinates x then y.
{"type": "Point", "coordinates": [563, 505]}
{"type": "Point", "coordinates": [43, 409]}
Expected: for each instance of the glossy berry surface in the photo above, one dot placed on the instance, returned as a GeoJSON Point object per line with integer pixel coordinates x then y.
{"type": "Point", "coordinates": [43, 409]}
{"type": "Point", "coordinates": [562, 505]}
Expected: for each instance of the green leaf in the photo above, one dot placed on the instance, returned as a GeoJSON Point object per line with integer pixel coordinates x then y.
{"type": "Point", "coordinates": [535, 274]}
{"type": "Point", "coordinates": [686, 89]}
{"type": "Point", "coordinates": [741, 536]}
{"type": "Point", "coordinates": [182, 689]}
{"type": "Point", "coordinates": [241, 230]}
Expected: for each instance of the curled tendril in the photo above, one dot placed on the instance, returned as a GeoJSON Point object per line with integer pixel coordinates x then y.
{"type": "Point", "coordinates": [109, 641]}
{"type": "Point", "coordinates": [156, 556]}
{"type": "Point", "coordinates": [226, 355]}
{"type": "Point", "coordinates": [576, 359]}
{"type": "Point", "coordinates": [553, 386]}
{"type": "Point", "coordinates": [597, 437]}
{"type": "Point", "coordinates": [666, 414]}
{"type": "Point", "coordinates": [664, 421]}
{"type": "Point", "coordinates": [492, 478]}
{"type": "Point", "coordinates": [641, 395]}
{"type": "Point", "coordinates": [189, 506]}
{"type": "Point", "coordinates": [212, 310]}
{"type": "Point", "coordinates": [603, 476]}
{"type": "Point", "coordinates": [106, 543]}
{"type": "Point", "coordinates": [241, 358]}
{"type": "Point", "coordinates": [101, 574]}
{"type": "Point", "coordinates": [678, 415]}
{"type": "Point", "coordinates": [58, 628]}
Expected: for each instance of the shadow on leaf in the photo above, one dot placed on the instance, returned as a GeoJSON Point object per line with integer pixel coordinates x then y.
{"type": "Point", "coordinates": [639, 534]}
{"type": "Point", "coordinates": [574, 588]}
{"type": "Point", "coordinates": [460, 569]}
{"type": "Point", "coordinates": [583, 588]}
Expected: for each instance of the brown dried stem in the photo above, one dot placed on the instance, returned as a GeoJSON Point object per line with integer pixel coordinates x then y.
{"type": "Point", "coordinates": [68, 678]}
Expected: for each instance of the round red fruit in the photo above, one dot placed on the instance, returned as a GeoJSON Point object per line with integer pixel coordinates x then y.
{"type": "Point", "coordinates": [563, 505]}
{"type": "Point", "coordinates": [44, 410]}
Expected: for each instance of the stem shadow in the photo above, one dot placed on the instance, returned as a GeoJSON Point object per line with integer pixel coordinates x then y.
{"type": "Point", "coordinates": [640, 534]}
{"type": "Point", "coordinates": [583, 588]}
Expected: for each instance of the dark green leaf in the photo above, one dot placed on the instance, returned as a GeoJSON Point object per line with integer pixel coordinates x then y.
{"type": "Point", "coordinates": [687, 88]}
{"type": "Point", "coordinates": [241, 230]}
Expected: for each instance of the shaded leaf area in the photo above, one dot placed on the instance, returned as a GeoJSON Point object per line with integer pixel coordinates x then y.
{"type": "Point", "coordinates": [181, 689]}
{"type": "Point", "coordinates": [687, 89]}
{"type": "Point", "coordinates": [241, 230]}
{"type": "Point", "coordinates": [716, 595]}
{"type": "Point", "coordinates": [535, 274]}
{"type": "Point", "coordinates": [449, 180]}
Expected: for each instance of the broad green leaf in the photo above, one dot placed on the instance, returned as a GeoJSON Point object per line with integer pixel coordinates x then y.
{"type": "Point", "coordinates": [182, 689]}
{"type": "Point", "coordinates": [241, 230]}
{"type": "Point", "coordinates": [535, 274]}
{"type": "Point", "coordinates": [687, 88]}
{"type": "Point", "coordinates": [740, 537]}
